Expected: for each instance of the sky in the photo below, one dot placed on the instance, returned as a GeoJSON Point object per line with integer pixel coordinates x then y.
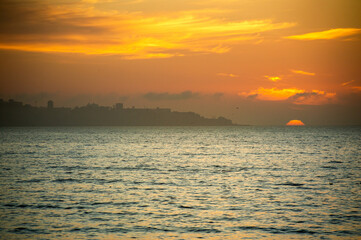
{"type": "Point", "coordinates": [257, 62]}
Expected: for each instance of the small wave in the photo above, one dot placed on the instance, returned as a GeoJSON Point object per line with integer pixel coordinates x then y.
{"type": "Point", "coordinates": [44, 206]}
{"type": "Point", "coordinates": [71, 168]}
{"type": "Point", "coordinates": [100, 203]}
{"type": "Point", "coordinates": [77, 207]}
{"type": "Point", "coordinates": [85, 229]}
{"type": "Point", "coordinates": [225, 169]}
{"type": "Point", "coordinates": [113, 180]}
{"type": "Point", "coordinates": [118, 230]}
{"type": "Point", "coordinates": [61, 180]}
{"type": "Point", "coordinates": [202, 230]}
{"type": "Point", "coordinates": [21, 205]}
{"type": "Point", "coordinates": [334, 161]}
{"type": "Point", "coordinates": [225, 218]}
{"type": "Point", "coordinates": [292, 184]}
{"type": "Point", "coordinates": [345, 232]}
{"type": "Point", "coordinates": [99, 219]}
{"type": "Point", "coordinates": [353, 217]}
{"type": "Point", "coordinates": [28, 153]}
{"type": "Point", "coordinates": [151, 229]}
{"type": "Point", "coordinates": [284, 230]}
{"type": "Point", "coordinates": [235, 208]}
{"type": "Point", "coordinates": [30, 181]}
{"type": "Point", "coordinates": [159, 183]}
{"type": "Point", "coordinates": [9, 153]}
{"type": "Point", "coordinates": [329, 167]}
{"type": "Point", "coordinates": [37, 206]}
{"type": "Point", "coordinates": [25, 230]}
{"type": "Point", "coordinates": [125, 203]}
{"type": "Point", "coordinates": [184, 206]}
{"type": "Point", "coordinates": [137, 168]}
{"type": "Point", "coordinates": [16, 205]}
{"type": "Point", "coordinates": [127, 213]}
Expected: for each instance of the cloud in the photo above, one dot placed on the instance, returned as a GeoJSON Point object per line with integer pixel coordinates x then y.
{"type": "Point", "coordinates": [252, 96]}
{"type": "Point", "coordinates": [170, 96]}
{"type": "Point", "coordinates": [227, 75]}
{"type": "Point", "coordinates": [272, 94]}
{"type": "Point", "coordinates": [81, 28]}
{"type": "Point", "coordinates": [314, 97]}
{"type": "Point", "coordinates": [273, 79]}
{"type": "Point", "coordinates": [303, 72]}
{"type": "Point", "coordinates": [347, 83]}
{"type": "Point", "coordinates": [294, 95]}
{"type": "Point", "coordinates": [328, 34]}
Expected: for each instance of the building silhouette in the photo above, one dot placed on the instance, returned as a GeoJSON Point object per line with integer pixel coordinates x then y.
{"type": "Point", "coordinates": [50, 104]}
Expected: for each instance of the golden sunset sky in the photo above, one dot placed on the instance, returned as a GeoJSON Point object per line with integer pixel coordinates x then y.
{"type": "Point", "coordinates": [261, 62]}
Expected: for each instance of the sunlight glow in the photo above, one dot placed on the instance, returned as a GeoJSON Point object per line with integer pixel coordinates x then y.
{"type": "Point", "coordinates": [228, 75]}
{"type": "Point", "coordinates": [347, 83]}
{"type": "Point", "coordinates": [328, 34]}
{"type": "Point", "coordinates": [273, 79]}
{"type": "Point", "coordinates": [134, 35]}
{"type": "Point", "coordinates": [273, 94]}
{"type": "Point", "coordinates": [294, 95]}
{"type": "Point", "coordinates": [303, 72]}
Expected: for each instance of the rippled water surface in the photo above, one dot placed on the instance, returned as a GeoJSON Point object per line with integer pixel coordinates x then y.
{"type": "Point", "coordinates": [180, 183]}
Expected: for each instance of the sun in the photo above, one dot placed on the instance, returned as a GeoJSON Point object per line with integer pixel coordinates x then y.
{"type": "Point", "coordinates": [295, 123]}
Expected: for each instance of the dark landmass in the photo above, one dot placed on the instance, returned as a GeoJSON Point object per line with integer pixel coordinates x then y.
{"type": "Point", "coordinates": [13, 113]}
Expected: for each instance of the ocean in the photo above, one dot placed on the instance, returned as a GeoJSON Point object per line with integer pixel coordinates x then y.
{"type": "Point", "coordinates": [240, 182]}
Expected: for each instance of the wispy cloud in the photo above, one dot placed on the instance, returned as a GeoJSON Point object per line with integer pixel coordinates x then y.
{"type": "Point", "coordinates": [315, 97]}
{"type": "Point", "coordinates": [272, 94]}
{"type": "Point", "coordinates": [303, 72]}
{"type": "Point", "coordinates": [328, 34]}
{"type": "Point", "coordinates": [349, 86]}
{"type": "Point", "coordinates": [228, 75]}
{"type": "Point", "coordinates": [170, 96]}
{"type": "Point", "coordinates": [273, 79]}
{"type": "Point", "coordinates": [81, 28]}
{"type": "Point", "coordinates": [294, 95]}
{"type": "Point", "coordinates": [347, 83]}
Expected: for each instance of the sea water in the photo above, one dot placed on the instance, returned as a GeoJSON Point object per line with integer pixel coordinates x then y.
{"type": "Point", "coordinates": [180, 183]}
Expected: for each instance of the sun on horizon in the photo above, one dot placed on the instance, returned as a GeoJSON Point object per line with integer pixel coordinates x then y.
{"type": "Point", "coordinates": [295, 123]}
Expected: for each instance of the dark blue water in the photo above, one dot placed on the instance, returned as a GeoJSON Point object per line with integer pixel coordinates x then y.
{"type": "Point", "coordinates": [180, 183]}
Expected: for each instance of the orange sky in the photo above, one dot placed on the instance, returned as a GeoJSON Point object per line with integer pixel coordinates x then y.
{"type": "Point", "coordinates": [254, 61]}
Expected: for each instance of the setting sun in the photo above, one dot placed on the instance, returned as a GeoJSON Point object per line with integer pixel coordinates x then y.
{"type": "Point", "coordinates": [295, 123]}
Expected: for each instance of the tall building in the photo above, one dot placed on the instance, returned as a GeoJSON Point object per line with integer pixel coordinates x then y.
{"type": "Point", "coordinates": [50, 104]}
{"type": "Point", "coordinates": [119, 106]}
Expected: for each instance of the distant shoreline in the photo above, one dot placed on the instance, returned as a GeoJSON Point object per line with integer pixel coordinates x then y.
{"type": "Point", "coordinates": [15, 113]}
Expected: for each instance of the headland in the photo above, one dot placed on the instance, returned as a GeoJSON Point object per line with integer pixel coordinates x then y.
{"type": "Point", "coordinates": [14, 113]}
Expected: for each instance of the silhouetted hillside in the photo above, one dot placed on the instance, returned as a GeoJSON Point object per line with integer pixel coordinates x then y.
{"type": "Point", "coordinates": [15, 113]}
